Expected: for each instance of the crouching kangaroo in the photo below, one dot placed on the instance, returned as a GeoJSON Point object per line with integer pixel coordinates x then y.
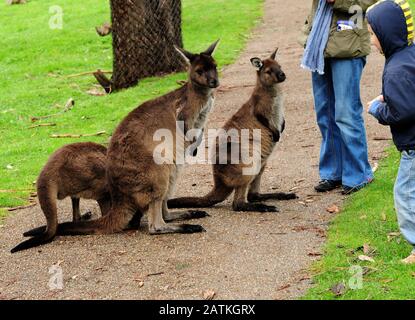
{"type": "Point", "coordinates": [264, 111]}
{"type": "Point", "coordinates": [137, 182]}
{"type": "Point", "coordinates": [77, 171]}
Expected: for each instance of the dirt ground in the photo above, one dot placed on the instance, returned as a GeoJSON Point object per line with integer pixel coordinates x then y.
{"type": "Point", "coordinates": [242, 255]}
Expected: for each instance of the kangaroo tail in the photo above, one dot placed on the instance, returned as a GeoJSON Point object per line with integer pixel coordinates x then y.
{"type": "Point", "coordinates": [219, 193]}
{"type": "Point", "coordinates": [33, 242]}
{"type": "Point", "coordinates": [68, 228]}
{"type": "Point", "coordinates": [47, 200]}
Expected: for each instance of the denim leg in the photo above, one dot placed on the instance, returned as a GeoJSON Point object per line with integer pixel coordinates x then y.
{"type": "Point", "coordinates": [330, 151]}
{"type": "Point", "coordinates": [346, 75]}
{"type": "Point", "coordinates": [405, 196]}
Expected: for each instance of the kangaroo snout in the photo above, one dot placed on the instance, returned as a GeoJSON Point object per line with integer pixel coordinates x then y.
{"type": "Point", "coordinates": [281, 76]}
{"type": "Point", "coordinates": [213, 83]}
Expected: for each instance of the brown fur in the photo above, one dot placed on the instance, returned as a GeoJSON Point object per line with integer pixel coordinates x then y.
{"type": "Point", "coordinates": [77, 171]}
{"type": "Point", "coordinates": [263, 111]}
{"type": "Point", "coordinates": [136, 182]}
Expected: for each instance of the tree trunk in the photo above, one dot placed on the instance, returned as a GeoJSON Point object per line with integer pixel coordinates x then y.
{"type": "Point", "coordinates": [144, 35]}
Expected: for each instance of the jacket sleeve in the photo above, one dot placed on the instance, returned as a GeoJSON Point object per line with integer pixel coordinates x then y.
{"type": "Point", "coordinates": [345, 5]}
{"type": "Point", "coordinates": [400, 100]}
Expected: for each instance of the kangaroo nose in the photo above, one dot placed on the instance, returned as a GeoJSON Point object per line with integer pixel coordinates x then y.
{"type": "Point", "coordinates": [213, 83]}
{"type": "Point", "coordinates": [282, 76]}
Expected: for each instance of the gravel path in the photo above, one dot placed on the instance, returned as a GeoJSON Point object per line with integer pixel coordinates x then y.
{"type": "Point", "coordinates": [243, 255]}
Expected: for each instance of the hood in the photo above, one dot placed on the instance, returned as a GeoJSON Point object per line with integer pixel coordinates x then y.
{"type": "Point", "coordinates": [392, 23]}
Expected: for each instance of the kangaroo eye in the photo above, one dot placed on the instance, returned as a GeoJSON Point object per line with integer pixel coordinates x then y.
{"type": "Point", "coordinates": [199, 72]}
{"type": "Point", "coordinates": [268, 72]}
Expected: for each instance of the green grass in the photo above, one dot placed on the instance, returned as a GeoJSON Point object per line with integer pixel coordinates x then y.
{"type": "Point", "coordinates": [368, 218]}
{"type": "Point", "coordinates": [35, 62]}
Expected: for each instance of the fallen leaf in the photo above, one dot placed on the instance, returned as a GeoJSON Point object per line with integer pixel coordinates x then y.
{"type": "Point", "coordinates": [383, 216]}
{"type": "Point", "coordinates": [96, 92]}
{"type": "Point", "coordinates": [284, 287]}
{"type": "Point", "coordinates": [315, 254]}
{"type": "Point", "coordinates": [69, 104]}
{"type": "Point", "coordinates": [333, 209]}
{"type": "Point", "coordinates": [104, 29]}
{"type": "Point", "coordinates": [209, 294]}
{"type": "Point", "coordinates": [366, 249]}
{"type": "Point", "coordinates": [387, 280]}
{"type": "Point", "coordinates": [369, 270]}
{"type": "Point", "coordinates": [393, 235]}
{"type": "Point", "coordinates": [9, 167]}
{"type": "Point", "coordinates": [155, 274]}
{"type": "Point", "coordinates": [364, 217]}
{"type": "Point", "coordinates": [339, 289]}
{"type": "Point", "coordinates": [366, 258]}
{"type": "Point", "coordinates": [375, 167]}
{"type": "Point", "coordinates": [413, 274]}
{"type": "Point", "coordinates": [140, 282]}
{"type": "Point", "coordinates": [59, 263]}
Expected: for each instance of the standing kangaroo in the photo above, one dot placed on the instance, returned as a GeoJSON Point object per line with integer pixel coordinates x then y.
{"type": "Point", "coordinates": [77, 171]}
{"type": "Point", "coordinates": [136, 182]}
{"type": "Point", "coordinates": [264, 111]}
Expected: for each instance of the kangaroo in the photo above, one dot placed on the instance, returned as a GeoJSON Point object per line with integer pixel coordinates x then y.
{"type": "Point", "coordinates": [77, 171]}
{"type": "Point", "coordinates": [136, 181]}
{"type": "Point", "coordinates": [264, 111]}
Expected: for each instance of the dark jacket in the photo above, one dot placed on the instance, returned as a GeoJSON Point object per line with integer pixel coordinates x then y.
{"type": "Point", "coordinates": [392, 27]}
{"type": "Point", "coordinates": [345, 44]}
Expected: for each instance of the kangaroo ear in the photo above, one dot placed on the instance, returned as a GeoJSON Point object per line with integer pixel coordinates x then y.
{"type": "Point", "coordinates": [209, 51]}
{"type": "Point", "coordinates": [274, 54]}
{"type": "Point", "coordinates": [188, 56]}
{"type": "Point", "coordinates": [257, 63]}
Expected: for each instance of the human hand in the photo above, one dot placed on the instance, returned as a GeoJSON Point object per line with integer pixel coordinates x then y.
{"type": "Point", "coordinates": [379, 98]}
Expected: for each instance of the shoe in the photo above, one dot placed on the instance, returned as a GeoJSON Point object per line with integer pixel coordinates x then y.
{"type": "Point", "coordinates": [410, 259]}
{"type": "Point", "coordinates": [349, 190]}
{"type": "Point", "coordinates": [327, 185]}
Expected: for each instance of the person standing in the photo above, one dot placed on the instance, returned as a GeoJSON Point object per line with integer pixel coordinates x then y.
{"type": "Point", "coordinates": [335, 52]}
{"type": "Point", "coordinates": [392, 28]}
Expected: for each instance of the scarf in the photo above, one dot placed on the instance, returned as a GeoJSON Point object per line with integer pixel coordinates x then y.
{"type": "Point", "coordinates": [313, 59]}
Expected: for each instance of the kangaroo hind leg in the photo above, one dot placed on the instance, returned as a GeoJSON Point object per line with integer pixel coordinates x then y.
{"type": "Point", "coordinates": [170, 216]}
{"type": "Point", "coordinates": [240, 203]}
{"type": "Point", "coordinates": [254, 194]}
{"type": "Point", "coordinates": [157, 225]}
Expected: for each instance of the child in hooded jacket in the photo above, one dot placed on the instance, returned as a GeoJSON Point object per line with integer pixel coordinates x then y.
{"type": "Point", "coordinates": [392, 30]}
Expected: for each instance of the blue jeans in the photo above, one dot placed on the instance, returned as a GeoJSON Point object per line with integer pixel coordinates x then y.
{"type": "Point", "coordinates": [343, 153]}
{"type": "Point", "coordinates": [405, 196]}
